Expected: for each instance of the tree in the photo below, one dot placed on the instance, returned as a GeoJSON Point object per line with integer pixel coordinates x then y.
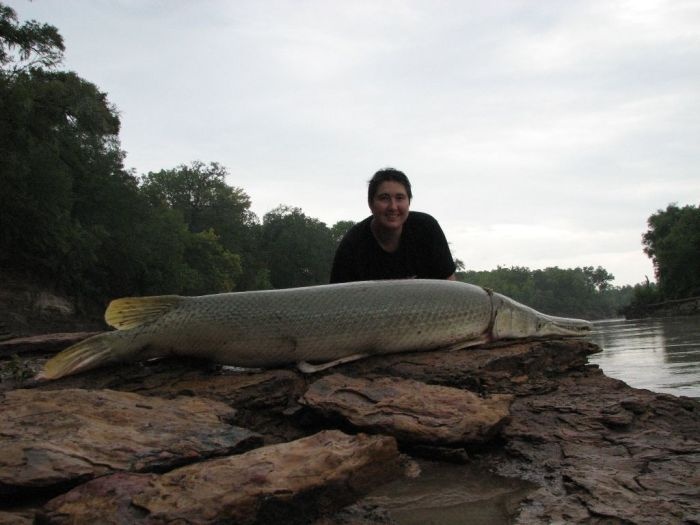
{"type": "Point", "coordinates": [60, 162]}
{"type": "Point", "coordinates": [673, 244]}
{"type": "Point", "coordinates": [299, 249]}
{"type": "Point", "coordinates": [201, 194]}
{"type": "Point", "coordinates": [339, 229]}
{"type": "Point", "coordinates": [206, 202]}
{"type": "Point", "coordinates": [27, 46]}
{"type": "Point", "coordinates": [213, 268]}
{"type": "Point", "coordinates": [579, 292]}
{"type": "Point", "coordinates": [598, 277]}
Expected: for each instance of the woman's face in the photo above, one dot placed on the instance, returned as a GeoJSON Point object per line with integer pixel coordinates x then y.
{"type": "Point", "coordinates": [390, 205]}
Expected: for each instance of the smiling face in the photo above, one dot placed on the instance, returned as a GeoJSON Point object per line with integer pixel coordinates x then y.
{"type": "Point", "coordinates": [390, 206]}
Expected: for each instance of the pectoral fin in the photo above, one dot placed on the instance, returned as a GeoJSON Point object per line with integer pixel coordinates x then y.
{"type": "Point", "coordinates": [308, 368]}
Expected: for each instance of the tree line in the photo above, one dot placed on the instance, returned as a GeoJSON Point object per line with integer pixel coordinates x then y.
{"type": "Point", "coordinates": [672, 242]}
{"type": "Point", "coordinates": [579, 292]}
{"type": "Point", "coordinates": [72, 215]}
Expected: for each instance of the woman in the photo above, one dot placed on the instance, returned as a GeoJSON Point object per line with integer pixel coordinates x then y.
{"type": "Point", "coordinates": [393, 243]}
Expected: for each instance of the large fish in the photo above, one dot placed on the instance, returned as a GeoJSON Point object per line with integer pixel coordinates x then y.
{"type": "Point", "coordinates": [325, 325]}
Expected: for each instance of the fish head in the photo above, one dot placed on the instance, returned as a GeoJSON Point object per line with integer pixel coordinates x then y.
{"type": "Point", "coordinates": [515, 320]}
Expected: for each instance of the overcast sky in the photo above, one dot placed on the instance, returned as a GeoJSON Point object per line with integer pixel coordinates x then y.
{"type": "Point", "coordinates": [539, 133]}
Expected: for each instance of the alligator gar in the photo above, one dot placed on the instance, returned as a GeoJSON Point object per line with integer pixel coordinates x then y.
{"type": "Point", "coordinates": [325, 324]}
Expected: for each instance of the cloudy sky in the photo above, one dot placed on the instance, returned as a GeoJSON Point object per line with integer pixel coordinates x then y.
{"type": "Point", "coordinates": [539, 133]}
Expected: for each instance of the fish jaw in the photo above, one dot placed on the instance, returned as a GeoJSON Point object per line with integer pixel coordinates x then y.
{"type": "Point", "coordinates": [513, 320]}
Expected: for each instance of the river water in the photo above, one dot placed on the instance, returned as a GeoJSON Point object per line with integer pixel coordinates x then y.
{"type": "Point", "coordinates": [662, 355]}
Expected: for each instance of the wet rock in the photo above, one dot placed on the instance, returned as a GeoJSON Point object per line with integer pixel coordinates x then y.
{"type": "Point", "coordinates": [601, 450]}
{"type": "Point", "coordinates": [358, 514]}
{"type": "Point", "coordinates": [291, 483]}
{"type": "Point", "coordinates": [520, 368]}
{"type": "Point", "coordinates": [261, 390]}
{"type": "Point", "coordinates": [253, 389]}
{"type": "Point", "coordinates": [411, 411]}
{"type": "Point", "coordinates": [259, 397]}
{"type": "Point", "coordinates": [594, 449]}
{"type": "Point", "coordinates": [453, 494]}
{"type": "Point", "coordinates": [53, 439]}
{"type": "Point", "coordinates": [105, 500]}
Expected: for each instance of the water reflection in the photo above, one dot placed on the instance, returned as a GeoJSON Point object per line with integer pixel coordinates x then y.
{"type": "Point", "coordinates": [662, 355]}
{"type": "Point", "coordinates": [449, 494]}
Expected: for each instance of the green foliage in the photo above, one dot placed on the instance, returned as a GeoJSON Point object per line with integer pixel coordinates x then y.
{"type": "Point", "coordinates": [673, 244]}
{"type": "Point", "coordinates": [299, 249]}
{"type": "Point", "coordinates": [581, 292]}
{"type": "Point", "coordinates": [201, 194]}
{"type": "Point", "coordinates": [643, 295]}
{"type": "Point", "coordinates": [59, 160]}
{"type": "Point", "coordinates": [72, 215]}
{"type": "Point", "coordinates": [339, 229]}
{"type": "Point", "coordinates": [29, 45]}
{"type": "Point", "coordinates": [212, 269]}
{"type": "Point", "coordinates": [205, 202]}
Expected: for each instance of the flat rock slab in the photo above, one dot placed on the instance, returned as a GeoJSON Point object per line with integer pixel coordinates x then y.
{"type": "Point", "coordinates": [266, 389]}
{"type": "Point", "coordinates": [58, 438]}
{"type": "Point", "coordinates": [286, 483]}
{"type": "Point", "coordinates": [259, 397]}
{"type": "Point", "coordinates": [170, 378]}
{"type": "Point", "coordinates": [411, 411]}
{"type": "Point", "coordinates": [521, 368]}
{"type": "Point", "coordinates": [604, 451]}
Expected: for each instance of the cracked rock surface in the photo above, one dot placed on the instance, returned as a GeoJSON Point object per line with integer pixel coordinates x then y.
{"type": "Point", "coordinates": [189, 442]}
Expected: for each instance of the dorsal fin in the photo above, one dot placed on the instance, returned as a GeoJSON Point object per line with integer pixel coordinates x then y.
{"type": "Point", "coordinates": [130, 312]}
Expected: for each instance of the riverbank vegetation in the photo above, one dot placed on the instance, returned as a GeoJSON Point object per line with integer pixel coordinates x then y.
{"type": "Point", "coordinates": [73, 216]}
{"type": "Point", "coordinates": [672, 241]}
{"type": "Point", "coordinates": [580, 292]}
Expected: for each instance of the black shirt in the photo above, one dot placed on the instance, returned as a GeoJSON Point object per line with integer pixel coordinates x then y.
{"type": "Point", "coordinates": [423, 253]}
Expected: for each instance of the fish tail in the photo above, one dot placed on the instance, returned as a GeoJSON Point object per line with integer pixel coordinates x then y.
{"type": "Point", "coordinates": [90, 353]}
{"type": "Point", "coordinates": [111, 347]}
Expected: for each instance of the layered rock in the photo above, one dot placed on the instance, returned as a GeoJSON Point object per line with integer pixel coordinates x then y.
{"type": "Point", "coordinates": [601, 450]}
{"type": "Point", "coordinates": [56, 439]}
{"type": "Point", "coordinates": [589, 449]}
{"type": "Point", "coordinates": [291, 482]}
{"type": "Point", "coordinates": [410, 410]}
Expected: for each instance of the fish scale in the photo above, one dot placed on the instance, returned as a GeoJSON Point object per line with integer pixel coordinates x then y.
{"type": "Point", "coordinates": [317, 324]}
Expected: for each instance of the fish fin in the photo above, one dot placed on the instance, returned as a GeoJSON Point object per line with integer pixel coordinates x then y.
{"type": "Point", "coordinates": [465, 344]}
{"type": "Point", "coordinates": [308, 368]}
{"type": "Point", "coordinates": [89, 353]}
{"type": "Point", "coordinates": [130, 312]}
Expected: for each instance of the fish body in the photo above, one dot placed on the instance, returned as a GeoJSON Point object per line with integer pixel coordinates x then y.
{"type": "Point", "coordinates": [316, 324]}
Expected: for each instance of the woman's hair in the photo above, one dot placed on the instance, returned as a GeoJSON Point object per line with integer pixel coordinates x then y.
{"type": "Point", "coordinates": [384, 175]}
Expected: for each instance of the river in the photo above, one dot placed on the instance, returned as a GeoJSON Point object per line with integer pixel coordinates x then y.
{"type": "Point", "coordinates": [662, 355]}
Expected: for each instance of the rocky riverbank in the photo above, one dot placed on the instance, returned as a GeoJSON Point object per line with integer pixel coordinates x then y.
{"type": "Point", "coordinates": [192, 442]}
